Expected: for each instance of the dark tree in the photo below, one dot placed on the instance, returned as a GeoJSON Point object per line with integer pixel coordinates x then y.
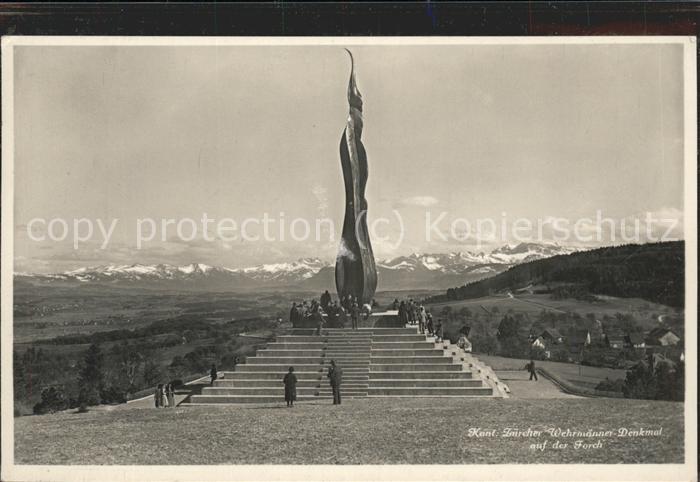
{"type": "Point", "coordinates": [91, 377]}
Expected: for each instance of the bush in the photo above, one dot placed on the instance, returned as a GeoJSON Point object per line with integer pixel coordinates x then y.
{"type": "Point", "coordinates": [608, 385]}
{"type": "Point", "coordinates": [52, 400]}
{"type": "Point", "coordinates": [177, 383]}
{"type": "Point", "coordinates": [89, 396]}
{"type": "Point", "coordinates": [113, 394]}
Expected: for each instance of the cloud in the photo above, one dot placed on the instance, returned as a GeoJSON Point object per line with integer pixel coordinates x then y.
{"type": "Point", "coordinates": [419, 201]}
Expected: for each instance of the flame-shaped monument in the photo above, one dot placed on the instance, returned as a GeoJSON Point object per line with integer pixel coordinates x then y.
{"type": "Point", "coordinates": [355, 270]}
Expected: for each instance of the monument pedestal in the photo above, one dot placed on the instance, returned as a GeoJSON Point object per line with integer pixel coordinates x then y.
{"type": "Point", "coordinates": [383, 319]}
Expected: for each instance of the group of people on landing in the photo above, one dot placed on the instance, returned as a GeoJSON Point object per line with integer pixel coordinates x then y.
{"type": "Point", "coordinates": [164, 395]}
{"type": "Point", "coordinates": [413, 313]}
{"type": "Point", "coordinates": [337, 312]}
{"type": "Point", "coordinates": [334, 375]}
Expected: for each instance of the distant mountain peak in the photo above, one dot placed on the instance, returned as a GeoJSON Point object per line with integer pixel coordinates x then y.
{"type": "Point", "coordinates": [427, 270]}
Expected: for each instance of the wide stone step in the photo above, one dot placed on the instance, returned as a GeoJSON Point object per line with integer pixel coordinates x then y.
{"type": "Point", "coordinates": [430, 391]}
{"type": "Point", "coordinates": [296, 345]}
{"type": "Point", "coordinates": [418, 375]}
{"type": "Point", "coordinates": [403, 345]}
{"type": "Point", "coordinates": [276, 374]}
{"type": "Point", "coordinates": [364, 348]}
{"type": "Point", "coordinates": [354, 366]}
{"type": "Point", "coordinates": [270, 382]}
{"type": "Point", "coordinates": [402, 352]}
{"type": "Point", "coordinates": [356, 354]}
{"type": "Point", "coordinates": [278, 360]}
{"type": "Point", "coordinates": [398, 338]}
{"type": "Point", "coordinates": [361, 330]}
{"type": "Point", "coordinates": [212, 399]}
{"type": "Point", "coordinates": [345, 393]}
{"type": "Point", "coordinates": [299, 339]}
{"type": "Point", "coordinates": [330, 332]}
{"type": "Point", "coordinates": [372, 331]}
{"type": "Point", "coordinates": [253, 367]}
{"type": "Point", "coordinates": [445, 382]}
{"type": "Point", "coordinates": [415, 367]}
{"type": "Point", "coordinates": [341, 360]}
{"type": "Point", "coordinates": [420, 360]}
{"type": "Point", "coordinates": [279, 391]}
{"type": "Point", "coordinates": [290, 353]}
{"type": "Point", "coordinates": [359, 343]}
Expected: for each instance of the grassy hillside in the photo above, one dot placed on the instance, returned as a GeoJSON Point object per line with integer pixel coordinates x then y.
{"type": "Point", "coordinates": [654, 272]}
{"type": "Point", "coordinates": [368, 431]}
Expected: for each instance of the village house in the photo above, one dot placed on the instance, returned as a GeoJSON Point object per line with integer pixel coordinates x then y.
{"type": "Point", "coordinates": [615, 340]}
{"type": "Point", "coordinates": [634, 340]}
{"type": "Point", "coordinates": [578, 340]}
{"type": "Point", "coordinates": [551, 335]}
{"type": "Point", "coordinates": [662, 337]}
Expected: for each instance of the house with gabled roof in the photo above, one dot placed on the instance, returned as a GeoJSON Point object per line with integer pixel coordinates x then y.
{"type": "Point", "coordinates": [662, 337]}
{"type": "Point", "coordinates": [552, 335]}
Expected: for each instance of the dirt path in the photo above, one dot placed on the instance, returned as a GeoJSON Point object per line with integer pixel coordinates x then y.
{"type": "Point", "coordinates": [521, 387]}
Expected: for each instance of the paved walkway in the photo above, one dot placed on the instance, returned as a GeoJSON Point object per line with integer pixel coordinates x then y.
{"type": "Point", "coordinates": [521, 387]}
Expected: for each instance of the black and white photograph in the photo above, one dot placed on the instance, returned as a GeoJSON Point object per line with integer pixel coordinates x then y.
{"type": "Point", "coordinates": [297, 258]}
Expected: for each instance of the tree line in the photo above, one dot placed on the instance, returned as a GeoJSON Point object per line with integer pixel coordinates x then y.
{"type": "Point", "coordinates": [655, 272]}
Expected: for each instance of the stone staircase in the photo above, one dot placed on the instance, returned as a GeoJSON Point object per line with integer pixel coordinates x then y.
{"type": "Point", "coordinates": [376, 362]}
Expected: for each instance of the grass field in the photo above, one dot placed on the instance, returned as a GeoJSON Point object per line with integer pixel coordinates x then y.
{"type": "Point", "coordinates": [585, 376]}
{"type": "Point", "coordinates": [532, 305]}
{"type": "Point", "coordinates": [368, 431]}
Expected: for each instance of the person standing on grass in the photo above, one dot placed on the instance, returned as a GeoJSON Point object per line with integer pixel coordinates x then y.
{"type": "Point", "coordinates": [158, 396]}
{"type": "Point", "coordinates": [531, 368]}
{"type": "Point", "coordinates": [335, 375]}
{"type": "Point", "coordinates": [170, 394]}
{"type": "Point", "coordinates": [213, 373]}
{"type": "Point", "coordinates": [164, 396]}
{"type": "Point", "coordinates": [290, 387]}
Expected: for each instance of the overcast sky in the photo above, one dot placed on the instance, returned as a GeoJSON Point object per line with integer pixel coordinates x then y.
{"type": "Point", "coordinates": [472, 130]}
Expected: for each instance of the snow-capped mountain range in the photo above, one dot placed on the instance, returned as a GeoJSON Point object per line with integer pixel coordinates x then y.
{"type": "Point", "coordinates": [416, 271]}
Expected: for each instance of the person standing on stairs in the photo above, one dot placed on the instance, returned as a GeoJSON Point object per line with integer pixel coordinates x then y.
{"type": "Point", "coordinates": [335, 375]}
{"type": "Point", "coordinates": [325, 300]}
{"type": "Point", "coordinates": [438, 330]}
{"type": "Point", "coordinates": [213, 373]}
{"type": "Point", "coordinates": [355, 315]}
{"type": "Point", "coordinates": [429, 324]}
{"type": "Point", "coordinates": [290, 387]}
{"type": "Point", "coordinates": [318, 319]}
{"type": "Point", "coordinates": [421, 319]}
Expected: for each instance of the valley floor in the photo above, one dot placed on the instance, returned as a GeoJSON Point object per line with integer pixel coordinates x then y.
{"type": "Point", "coordinates": [361, 431]}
